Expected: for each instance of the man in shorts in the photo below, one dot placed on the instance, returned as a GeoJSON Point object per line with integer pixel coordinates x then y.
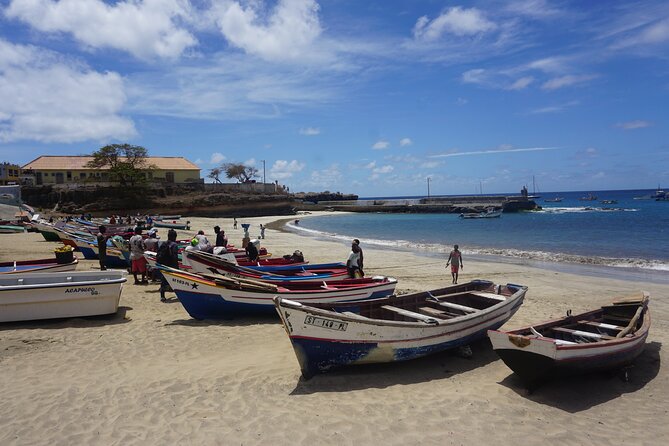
{"type": "Point", "coordinates": [455, 259]}
{"type": "Point", "coordinates": [137, 248]}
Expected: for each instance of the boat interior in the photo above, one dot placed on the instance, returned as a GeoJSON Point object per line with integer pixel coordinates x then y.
{"type": "Point", "coordinates": [430, 306]}
{"type": "Point", "coordinates": [620, 319]}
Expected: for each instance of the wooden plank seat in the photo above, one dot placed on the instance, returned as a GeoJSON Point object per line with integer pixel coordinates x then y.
{"type": "Point", "coordinates": [453, 306]}
{"type": "Point", "coordinates": [434, 312]}
{"type": "Point", "coordinates": [601, 325]}
{"type": "Point", "coordinates": [625, 320]}
{"type": "Point", "coordinates": [411, 314]}
{"type": "Point", "coordinates": [487, 295]}
{"type": "Point", "coordinates": [585, 334]}
{"type": "Point", "coordinates": [353, 315]}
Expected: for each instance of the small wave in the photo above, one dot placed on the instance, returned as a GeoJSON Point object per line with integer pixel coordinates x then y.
{"type": "Point", "coordinates": [539, 256]}
{"type": "Point", "coordinates": [581, 209]}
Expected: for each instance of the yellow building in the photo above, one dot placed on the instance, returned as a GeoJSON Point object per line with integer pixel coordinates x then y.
{"type": "Point", "coordinates": [73, 170]}
{"type": "Point", "coordinates": [9, 174]}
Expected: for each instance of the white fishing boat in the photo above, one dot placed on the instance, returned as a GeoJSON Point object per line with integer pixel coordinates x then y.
{"type": "Point", "coordinates": [34, 296]}
{"type": "Point", "coordinates": [395, 328]}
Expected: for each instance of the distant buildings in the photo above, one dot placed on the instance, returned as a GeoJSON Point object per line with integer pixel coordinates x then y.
{"type": "Point", "coordinates": [9, 173]}
{"type": "Point", "coordinates": [73, 170]}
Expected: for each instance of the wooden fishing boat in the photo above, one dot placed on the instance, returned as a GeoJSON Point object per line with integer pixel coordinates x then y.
{"type": "Point", "coordinates": [219, 297]}
{"type": "Point", "coordinates": [395, 328]}
{"type": "Point", "coordinates": [47, 230]}
{"type": "Point", "coordinates": [166, 217]}
{"type": "Point", "coordinates": [116, 258]}
{"type": "Point", "coordinates": [606, 338]}
{"type": "Point", "coordinates": [171, 225]}
{"type": "Point", "coordinates": [553, 200]}
{"type": "Point", "coordinates": [42, 265]}
{"type": "Point", "coordinates": [33, 296]}
{"type": "Point", "coordinates": [205, 263]}
{"type": "Point", "coordinates": [12, 229]}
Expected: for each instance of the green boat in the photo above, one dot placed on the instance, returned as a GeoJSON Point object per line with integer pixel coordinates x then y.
{"type": "Point", "coordinates": [11, 229]}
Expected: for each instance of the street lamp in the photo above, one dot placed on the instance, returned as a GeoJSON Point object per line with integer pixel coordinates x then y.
{"type": "Point", "coordinates": [263, 172]}
{"type": "Point", "coordinates": [428, 187]}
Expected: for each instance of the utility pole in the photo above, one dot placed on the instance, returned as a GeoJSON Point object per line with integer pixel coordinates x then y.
{"type": "Point", "coordinates": [263, 172]}
{"type": "Point", "coordinates": [428, 187]}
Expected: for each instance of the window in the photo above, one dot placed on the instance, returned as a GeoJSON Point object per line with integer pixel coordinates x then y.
{"type": "Point", "coordinates": [69, 175]}
{"type": "Point", "coordinates": [82, 175]}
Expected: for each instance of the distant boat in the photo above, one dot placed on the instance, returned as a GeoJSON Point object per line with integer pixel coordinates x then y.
{"type": "Point", "coordinates": [609, 201]}
{"type": "Point", "coordinates": [553, 200]}
{"type": "Point", "coordinates": [589, 197]}
{"type": "Point", "coordinates": [490, 213]}
{"type": "Point", "coordinates": [658, 195]}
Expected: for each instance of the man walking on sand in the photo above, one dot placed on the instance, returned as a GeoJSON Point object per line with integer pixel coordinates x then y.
{"type": "Point", "coordinates": [455, 260]}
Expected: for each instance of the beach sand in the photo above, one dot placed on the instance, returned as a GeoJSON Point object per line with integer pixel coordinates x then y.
{"type": "Point", "coordinates": [153, 375]}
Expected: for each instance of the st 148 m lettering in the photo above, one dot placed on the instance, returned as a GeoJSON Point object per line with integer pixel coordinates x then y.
{"type": "Point", "coordinates": [325, 323]}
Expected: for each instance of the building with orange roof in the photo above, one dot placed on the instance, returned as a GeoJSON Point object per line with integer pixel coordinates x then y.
{"type": "Point", "coordinates": [73, 170]}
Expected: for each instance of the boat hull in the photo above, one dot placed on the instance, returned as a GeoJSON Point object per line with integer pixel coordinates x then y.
{"type": "Point", "coordinates": [326, 340]}
{"type": "Point", "coordinates": [35, 296]}
{"type": "Point", "coordinates": [44, 265]}
{"type": "Point", "coordinates": [203, 299]}
{"type": "Point", "coordinates": [536, 358]}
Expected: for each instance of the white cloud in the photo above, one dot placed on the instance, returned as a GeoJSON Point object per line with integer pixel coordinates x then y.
{"type": "Point", "coordinates": [554, 108]}
{"type": "Point", "coordinates": [285, 33]}
{"type": "Point", "coordinates": [475, 76]}
{"type": "Point", "coordinates": [521, 83]}
{"type": "Point", "coordinates": [383, 169]}
{"type": "Point", "coordinates": [405, 142]}
{"type": "Point", "coordinates": [216, 158]}
{"type": "Point", "coordinates": [430, 164]}
{"type": "Point", "coordinates": [371, 165]}
{"type": "Point", "coordinates": [283, 169]}
{"type": "Point", "coordinates": [462, 101]}
{"type": "Point", "coordinates": [327, 178]}
{"type": "Point", "coordinates": [251, 162]}
{"type": "Point", "coordinates": [633, 125]}
{"type": "Point", "coordinates": [310, 131]}
{"type": "Point", "coordinates": [458, 21]}
{"type": "Point", "coordinates": [199, 161]}
{"type": "Point", "coordinates": [536, 9]}
{"type": "Point", "coordinates": [48, 100]}
{"type": "Point", "coordinates": [567, 81]}
{"type": "Point", "coordinates": [144, 28]}
{"type": "Point", "coordinates": [502, 149]}
{"type": "Point", "coordinates": [381, 145]}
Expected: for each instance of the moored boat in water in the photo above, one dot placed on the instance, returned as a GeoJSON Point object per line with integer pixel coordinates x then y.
{"type": "Point", "coordinates": [395, 328]}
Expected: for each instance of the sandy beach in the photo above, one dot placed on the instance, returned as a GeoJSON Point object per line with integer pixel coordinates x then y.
{"type": "Point", "coordinates": [152, 375]}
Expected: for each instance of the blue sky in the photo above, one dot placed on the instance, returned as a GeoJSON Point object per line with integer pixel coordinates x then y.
{"type": "Point", "coordinates": [367, 97]}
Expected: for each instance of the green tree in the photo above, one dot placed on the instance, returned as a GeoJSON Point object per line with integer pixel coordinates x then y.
{"type": "Point", "coordinates": [125, 162]}
{"type": "Point", "coordinates": [240, 172]}
{"type": "Point", "coordinates": [214, 174]}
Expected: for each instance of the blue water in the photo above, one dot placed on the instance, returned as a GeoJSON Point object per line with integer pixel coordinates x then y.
{"type": "Point", "coordinates": [630, 233]}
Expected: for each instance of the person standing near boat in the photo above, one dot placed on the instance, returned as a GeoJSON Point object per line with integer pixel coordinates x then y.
{"type": "Point", "coordinates": [353, 262]}
{"type": "Point", "coordinates": [151, 244]}
{"type": "Point", "coordinates": [168, 255]}
{"type": "Point", "coordinates": [262, 231]}
{"type": "Point", "coordinates": [221, 239]}
{"type": "Point", "coordinates": [361, 262]}
{"type": "Point", "coordinates": [252, 250]}
{"type": "Point", "coordinates": [455, 260]}
{"type": "Point", "coordinates": [102, 247]}
{"type": "Point", "coordinates": [138, 262]}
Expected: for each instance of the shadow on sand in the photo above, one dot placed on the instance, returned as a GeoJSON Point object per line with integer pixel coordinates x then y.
{"type": "Point", "coordinates": [577, 393]}
{"type": "Point", "coordinates": [71, 322]}
{"type": "Point", "coordinates": [238, 322]}
{"type": "Point", "coordinates": [367, 376]}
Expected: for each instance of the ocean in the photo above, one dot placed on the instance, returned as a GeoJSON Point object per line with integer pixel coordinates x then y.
{"type": "Point", "coordinates": [631, 234]}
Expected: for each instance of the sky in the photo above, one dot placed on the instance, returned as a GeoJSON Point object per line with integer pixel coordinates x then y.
{"type": "Point", "coordinates": [368, 97]}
